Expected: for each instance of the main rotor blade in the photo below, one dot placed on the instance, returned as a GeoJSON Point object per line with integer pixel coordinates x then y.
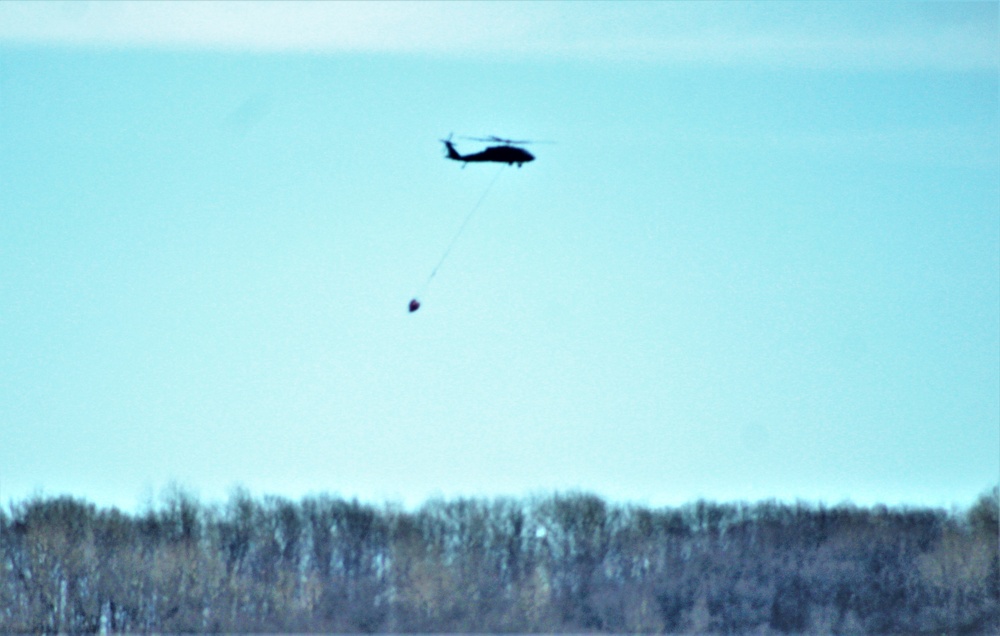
{"type": "Point", "coordinates": [501, 140]}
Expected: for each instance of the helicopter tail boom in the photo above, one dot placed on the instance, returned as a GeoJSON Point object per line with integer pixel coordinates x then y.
{"type": "Point", "coordinates": [452, 153]}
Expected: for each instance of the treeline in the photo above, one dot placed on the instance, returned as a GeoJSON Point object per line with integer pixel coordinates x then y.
{"type": "Point", "coordinates": [559, 563]}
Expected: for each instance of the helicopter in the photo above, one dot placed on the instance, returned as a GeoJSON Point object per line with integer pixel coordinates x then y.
{"type": "Point", "coordinates": [507, 153]}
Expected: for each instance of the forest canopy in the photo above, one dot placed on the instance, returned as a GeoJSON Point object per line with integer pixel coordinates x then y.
{"type": "Point", "coordinates": [569, 562]}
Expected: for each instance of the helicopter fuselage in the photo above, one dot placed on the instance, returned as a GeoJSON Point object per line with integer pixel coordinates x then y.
{"type": "Point", "coordinates": [499, 154]}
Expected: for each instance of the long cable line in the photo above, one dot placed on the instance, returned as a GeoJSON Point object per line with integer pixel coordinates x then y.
{"type": "Point", "coordinates": [415, 302]}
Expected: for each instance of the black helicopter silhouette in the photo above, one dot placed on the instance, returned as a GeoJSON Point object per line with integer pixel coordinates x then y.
{"type": "Point", "coordinates": [507, 153]}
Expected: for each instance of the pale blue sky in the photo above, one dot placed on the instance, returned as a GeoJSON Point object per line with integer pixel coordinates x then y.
{"type": "Point", "coordinates": [762, 260]}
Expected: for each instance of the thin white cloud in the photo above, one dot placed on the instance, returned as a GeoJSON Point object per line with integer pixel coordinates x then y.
{"type": "Point", "coordinates": [952, 36]}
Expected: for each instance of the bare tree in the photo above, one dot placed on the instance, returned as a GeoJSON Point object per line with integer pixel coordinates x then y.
{"type": "Point", "coordinates": [565, 562]}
